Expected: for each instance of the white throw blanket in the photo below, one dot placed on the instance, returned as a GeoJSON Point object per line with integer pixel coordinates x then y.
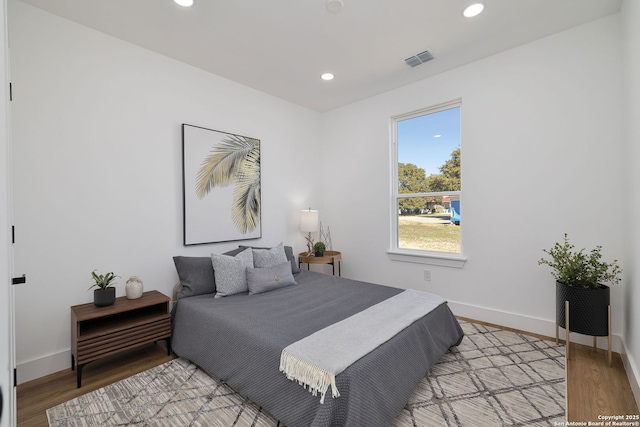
{"type": "Point", "coordinates": [315, 361]}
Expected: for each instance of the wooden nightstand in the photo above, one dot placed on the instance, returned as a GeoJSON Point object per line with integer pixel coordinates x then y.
{"type": "Point", "coordinates": [98, 332]}
{"type": "Point", "coordinates": [330, 257]}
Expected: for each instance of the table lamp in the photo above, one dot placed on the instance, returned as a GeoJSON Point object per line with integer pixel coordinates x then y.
{"type": "Point", "coordinates": [309, 224]}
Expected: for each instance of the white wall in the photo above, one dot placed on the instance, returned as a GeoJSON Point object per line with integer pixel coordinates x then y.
{"type": "Point", "coordinates": [98, 168]}
{"type": "Point", "coordinates": [630, 13]}
{"type": "Point", "coordinates": [542, 155]}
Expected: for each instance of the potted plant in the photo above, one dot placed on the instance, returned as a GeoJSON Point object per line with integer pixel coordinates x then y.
{"type": "Point", "coordinates": [319, 249]}
{"type": "Point", "coordinates": [105, 294]}
{"type": "Point", "coordinates": [580, 279]}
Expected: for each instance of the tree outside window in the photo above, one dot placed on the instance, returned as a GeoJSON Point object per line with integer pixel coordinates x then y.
{"type": "Point", "coordinates": [427, 180]}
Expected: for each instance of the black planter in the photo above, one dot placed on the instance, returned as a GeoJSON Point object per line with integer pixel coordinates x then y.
{"type": "Point", "coordinates": [103, 298]}
{"type": "Point", "coordinates": [588, 309]}
{"type": "Point", "coordinates": [319, 254]}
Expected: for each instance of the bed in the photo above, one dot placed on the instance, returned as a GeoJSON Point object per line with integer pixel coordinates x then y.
{"type": "Point", "coordinates": [239, 339]}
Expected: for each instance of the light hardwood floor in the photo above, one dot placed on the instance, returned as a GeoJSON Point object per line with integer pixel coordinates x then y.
{"type": "Point", "coordinates": [596, 389]}
{"type": "Point", "coordinates": [593, 387]}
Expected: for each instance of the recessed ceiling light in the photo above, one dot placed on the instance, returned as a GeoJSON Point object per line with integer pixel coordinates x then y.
{"type": "Point", "coordinates": [437, 136]}
{"type": "Point", "coordinates": [185, 3]}
{"type": "Point", "coordinates": [334, 6]}
{"type": "Point", "coordinates": [327, 76]}
{"type": "Point", "coordinates": [473, 10]}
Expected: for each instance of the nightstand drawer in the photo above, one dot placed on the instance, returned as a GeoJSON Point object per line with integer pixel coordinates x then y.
{"type": "Point", "coordinates": [96, 346]}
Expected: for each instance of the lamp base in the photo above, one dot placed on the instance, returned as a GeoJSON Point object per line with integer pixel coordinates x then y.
{"type": "Point", "coordinates": [309, 244]}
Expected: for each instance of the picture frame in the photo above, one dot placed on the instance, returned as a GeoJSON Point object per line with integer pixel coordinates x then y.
{"type": "Point", "coordinates": [221, 185]}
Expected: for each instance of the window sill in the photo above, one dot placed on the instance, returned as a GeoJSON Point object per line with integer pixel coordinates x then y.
{"type": "Point", "coordinates": [430, 258]}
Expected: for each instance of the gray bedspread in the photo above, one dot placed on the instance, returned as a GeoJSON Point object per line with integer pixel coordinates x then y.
{"type": "Point", "coordinates": [239, 339]}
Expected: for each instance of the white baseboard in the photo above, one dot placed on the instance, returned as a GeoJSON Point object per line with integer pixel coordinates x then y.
{"type": "Point", "coordinates": [43, 366]}
{"type": "Point", "coordinates": [528, 324]}
{"type": "Point", "coordinates": [633, 374]}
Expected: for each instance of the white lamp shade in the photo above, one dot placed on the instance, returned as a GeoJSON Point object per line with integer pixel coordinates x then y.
{"type": "Point", "coordinates": [309, 221]}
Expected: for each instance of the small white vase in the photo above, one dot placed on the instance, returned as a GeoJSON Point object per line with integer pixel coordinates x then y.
{"type": "Point", "coordinates": [134, 287]}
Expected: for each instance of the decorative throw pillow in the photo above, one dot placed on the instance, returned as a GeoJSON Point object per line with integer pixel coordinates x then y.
{"type": "Point", "coordinates": [261, 280]}
{"type": "Point", "coordinates": [230, 272]}
{"type": "Point", "coordinates": [196, 275]}
{"type": "Point", "coordinates": [263, 258]}
{"type": "Point", "coordinates": [288, 250]}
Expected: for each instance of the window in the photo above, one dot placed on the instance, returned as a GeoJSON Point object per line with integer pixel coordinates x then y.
{"type": "Point", "coordinates": [426, 200]}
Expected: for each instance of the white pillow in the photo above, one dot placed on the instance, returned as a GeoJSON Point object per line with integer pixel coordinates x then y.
{"type": "Point", "coordinates": [230, 272]}
{"type": "Point", "coordinates": [263, 258]}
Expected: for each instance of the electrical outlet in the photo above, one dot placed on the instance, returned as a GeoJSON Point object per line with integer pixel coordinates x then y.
{"type": "Point", "coordinates": [427, 275]}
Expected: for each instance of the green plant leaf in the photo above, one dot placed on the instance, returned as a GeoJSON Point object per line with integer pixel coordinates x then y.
{"type": "Point", "coordinates": [579, 268]}
{"type": "Point", "coordinates": [102, 281]}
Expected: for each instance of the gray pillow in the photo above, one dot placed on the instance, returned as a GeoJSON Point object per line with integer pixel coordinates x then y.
{"type": "Point", "coordinates": [230, 272]}
{"type": "Point", "coordinates": [196, 275]}
{"type": "Point", "coordinates": [263, 258]}
{"type": "Point", "coordinates": [261, 280]}
{"type": "Point", "coordinates": [288, 250]}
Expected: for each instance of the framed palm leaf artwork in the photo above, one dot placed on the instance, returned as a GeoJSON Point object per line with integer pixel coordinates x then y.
{"type": "Point", "coordinates": [221, 186]}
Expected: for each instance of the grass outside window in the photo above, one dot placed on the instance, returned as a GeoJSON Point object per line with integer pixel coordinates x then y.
{"type": "Point", "coordinates": [428, 233]}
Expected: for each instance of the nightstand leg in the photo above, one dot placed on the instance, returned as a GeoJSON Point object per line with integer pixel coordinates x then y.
{"type": "Point", "coordinates": [73, 362]}
{"type": "Point", "coordinates": [169, 346]}
{"type": "Point", "coordinates": [79, 375]}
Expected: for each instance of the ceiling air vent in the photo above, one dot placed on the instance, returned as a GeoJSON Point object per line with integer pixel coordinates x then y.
{"type": "Point", "coordinates": [419, 58]}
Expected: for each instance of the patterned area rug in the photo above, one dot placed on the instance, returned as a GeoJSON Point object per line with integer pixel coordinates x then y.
{"type": "Point", "coordinates": [493, 378]}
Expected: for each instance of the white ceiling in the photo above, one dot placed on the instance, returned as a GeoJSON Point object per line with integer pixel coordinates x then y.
{"type": "Point", "coordinates": [282, 46]}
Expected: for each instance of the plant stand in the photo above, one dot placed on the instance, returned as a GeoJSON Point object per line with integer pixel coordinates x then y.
{"type": "Point", "coordinates": [568, 332]}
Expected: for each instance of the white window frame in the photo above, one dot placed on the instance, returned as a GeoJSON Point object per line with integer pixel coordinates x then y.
{"type": "Point", "coordinates": [445, 259]}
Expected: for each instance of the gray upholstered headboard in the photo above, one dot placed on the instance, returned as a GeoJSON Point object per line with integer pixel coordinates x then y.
{"type": "Point", "coordinates": [177, 290]}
